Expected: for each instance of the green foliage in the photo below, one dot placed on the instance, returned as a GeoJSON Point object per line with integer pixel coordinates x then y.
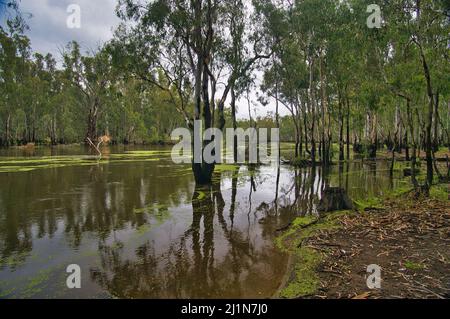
{"type": "Point", "coordinates": [414, 266]}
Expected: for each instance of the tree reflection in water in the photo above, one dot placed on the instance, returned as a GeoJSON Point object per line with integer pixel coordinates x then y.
{"type": "Point", "coordinates": [139, 233]}
{"type": "Point", "coordinates": [191, 268]}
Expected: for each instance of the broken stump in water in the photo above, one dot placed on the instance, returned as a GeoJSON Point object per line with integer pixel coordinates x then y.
{"type": "Point", "coordinates": [407, 172]}
{"type": "Point", "coordinates": [334, 199]}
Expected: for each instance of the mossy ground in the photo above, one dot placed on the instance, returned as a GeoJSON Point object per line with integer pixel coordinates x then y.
{"type": "Point", "coordinates": [395, 220]}
{"type": "Point", "coordinates": [304, 280]}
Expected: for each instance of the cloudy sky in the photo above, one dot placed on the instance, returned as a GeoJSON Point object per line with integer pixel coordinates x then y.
{"type": "Point", "coordinates": [48, 25]}
{"type": "Point", "coordinates": [49, 32]}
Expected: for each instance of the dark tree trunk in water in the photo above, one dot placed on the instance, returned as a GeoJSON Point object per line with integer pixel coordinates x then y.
{"type": "Point", "coordinates": [300, 149]}
{"type": "Point", "coordinates": [372, 150]}
{"type": "Point", "coordinates": [92, 128]}
{"type": "Point", "coordinates": [233, 116]}
{"type": "Point", "coordinates": [297, 139]}
{"type": "Point", "coordinates": [92, 122]}
{"type": "Point", "coordinates": [305, 125]}
{"type": "Point", "coordinates": [391, 170]}
{"type": "Point", "coordinates": [203, 173]}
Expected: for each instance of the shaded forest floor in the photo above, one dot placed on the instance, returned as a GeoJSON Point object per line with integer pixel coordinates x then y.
{"type": "Point", "coordinates": [408, 239]}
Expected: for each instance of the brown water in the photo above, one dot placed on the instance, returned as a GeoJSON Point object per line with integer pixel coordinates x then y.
{"type": "Point", "coordinates": [138, 227]}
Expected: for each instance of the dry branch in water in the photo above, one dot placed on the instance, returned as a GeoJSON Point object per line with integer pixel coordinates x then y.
{"type": "Point", "coordinates": [101, 140]}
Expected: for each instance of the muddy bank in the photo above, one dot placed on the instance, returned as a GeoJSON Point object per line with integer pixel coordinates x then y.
{"type": "Point", "coordinates": [408, 239]}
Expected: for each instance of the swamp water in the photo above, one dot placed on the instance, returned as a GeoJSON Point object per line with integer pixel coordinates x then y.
{"type": "Point", "coordinates": [138, 227]}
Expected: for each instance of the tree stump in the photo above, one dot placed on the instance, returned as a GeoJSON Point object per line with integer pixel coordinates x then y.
{"type": "Point", "coordinates": [334, 199]}
{"type": "Point", "coordinates": [407, 172]}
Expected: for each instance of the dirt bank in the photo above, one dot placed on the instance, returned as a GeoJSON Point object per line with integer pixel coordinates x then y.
{"type": "Point", "coordinates": [408, 239]}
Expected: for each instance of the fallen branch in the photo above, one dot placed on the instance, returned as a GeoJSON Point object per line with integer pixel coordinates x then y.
{"type": "Point", "coordinates": [96, 147]}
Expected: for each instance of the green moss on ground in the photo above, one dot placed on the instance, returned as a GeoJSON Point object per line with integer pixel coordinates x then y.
{"type": "Point", "coordinates": [414, 266]}
{"type": "Point", "coordinates": [372, 203]}
{"type": "Point", "coordinates": [304, 280]}
{"type": "Point", "coordinates": [440, 192]}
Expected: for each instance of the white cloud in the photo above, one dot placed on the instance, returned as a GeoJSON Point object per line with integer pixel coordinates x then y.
{"type": "Point", "coordinates": [48, 27]}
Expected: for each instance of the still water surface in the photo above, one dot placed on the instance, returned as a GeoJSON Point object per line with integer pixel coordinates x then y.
{"type": "Point", "coordinates": [139, 228]}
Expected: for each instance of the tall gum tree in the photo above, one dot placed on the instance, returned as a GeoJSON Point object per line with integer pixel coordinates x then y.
{"type": "Point", "coordinates": [202, 47]}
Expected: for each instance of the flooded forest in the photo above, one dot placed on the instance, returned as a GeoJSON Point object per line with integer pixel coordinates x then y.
{"type": "Point", "coordinates": [360, 96]}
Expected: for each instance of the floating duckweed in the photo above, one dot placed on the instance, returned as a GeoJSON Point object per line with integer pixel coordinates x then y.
{"type": "Point", "coordinates": [7, 292]}
{"type": "Point", "coordinates": [142, 230]}
{"type": "Point", "coordinates": [14, 260]}
{"type": "Point", "coordinates": [153, 208]}
{"type": "Point", "coordinates": [143, 153]}
{"type": "Point", "coordinates": [16, 165]}
{"type": "Point", "coordinates": [226, 168]}
{"type": "Point", "coordinates": [201, 195]}
{"type": "Point", "coordinates": [36, 283]}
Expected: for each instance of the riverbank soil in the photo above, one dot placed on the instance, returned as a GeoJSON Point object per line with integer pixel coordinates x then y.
{"type": "Point", "coordinates": [408, 239]}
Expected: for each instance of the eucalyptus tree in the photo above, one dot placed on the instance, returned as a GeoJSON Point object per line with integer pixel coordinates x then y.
{"type": "Point", "coordinates": [7, 83]}
{"type": "Point", "coordinates": [197, 45]}
{"type": "Point", "coordinates": [15, 69]}
{"type": "Point", "coordinates": [287, 82]}
{"type": "Point", "coordinates": [91, 77]}
{"type": "Point", "coordinates": [418, 38]}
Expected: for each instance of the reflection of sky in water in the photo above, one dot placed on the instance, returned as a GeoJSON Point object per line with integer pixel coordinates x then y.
{"type": "Point", "coordinates": [135, 232]}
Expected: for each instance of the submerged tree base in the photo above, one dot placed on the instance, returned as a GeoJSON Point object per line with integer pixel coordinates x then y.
{"type": "Point", "coordinates": [334, 199]}
{"type": "Point", "coordinates": [408, 239]}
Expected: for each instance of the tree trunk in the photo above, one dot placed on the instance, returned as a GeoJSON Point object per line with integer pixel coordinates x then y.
{"type": "Point", "coordinates": [407, 147]}
{"type": "Point", "coordinates": [348, 128]}
{"type": "Point", "coordinates": [277, 120]}
{"type": "Point", "coordinates": [323, 102]}
{"type": "Point", "coordinates": [305, 126]}
{"type": "Point", "coordinates": [233, 116]}
{"type": "Point", "coordinates": [92, 126]}
{"type": "Point", "coordinates": [313, 112]}
{"type": "Point", "coordinates": [436, 141]}
{"type": "Point", "coordinates": [7, 130]}
{"type": "Point", "coordinates": [203, 171]}
{"type": "Point", "coordinates": [341, 132]}
{"type": "Point", "coordinates": [428, 139]}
